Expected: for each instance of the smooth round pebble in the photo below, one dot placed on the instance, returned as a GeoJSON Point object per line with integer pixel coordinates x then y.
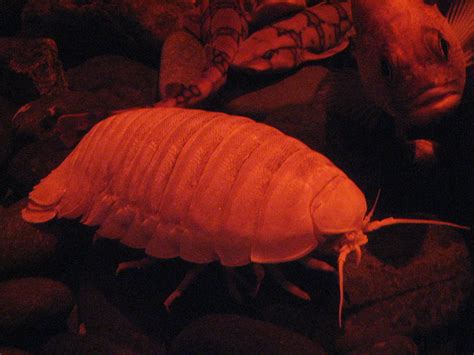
{"type": "Point", "coordinates": [394, 345]}
{"type": "Point", "coordinates": [233, 334]}
{"type": "Point", "coordinates": [23, 248]}
{"type": "Point", "coordinates": [7, 110]}
{"type": "Point", "coordinates": [125, 82]}
{"type": "Point", "coordinates": [271, 101]}
{"type": "Point", "coordinates": [31, 307]}
{"type": "Point", "coordinates": [35, 161]}
{"type": "Point", "coordinates": [13, 351]}
{"type": "Point", "coordinates": [68, 343]}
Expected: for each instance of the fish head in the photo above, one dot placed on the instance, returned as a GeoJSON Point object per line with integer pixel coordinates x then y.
{"type": "Point", "coordinates": [411, 62]}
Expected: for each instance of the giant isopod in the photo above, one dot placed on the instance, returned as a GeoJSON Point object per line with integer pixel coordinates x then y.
{"type": "Point", "coordinates": [206, 186]}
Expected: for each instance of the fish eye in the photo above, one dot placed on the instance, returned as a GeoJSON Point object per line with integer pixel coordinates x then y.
{"type": "Point", "coordinates": [386, 69]}
{"type": "Point", "coordinates": [443, 47]}
{"type": "Point", "coordinates": [268, 54]}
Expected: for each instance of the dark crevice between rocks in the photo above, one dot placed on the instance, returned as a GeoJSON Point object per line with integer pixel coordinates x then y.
{"type": "Point", "coordinates": [16, 87]}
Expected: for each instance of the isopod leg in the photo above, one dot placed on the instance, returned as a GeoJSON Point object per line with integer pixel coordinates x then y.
{"type": "Point", "coordinates": [287, 285]}
{"type": "Point", "coordinates": [232, 277]}
{"type": "Point", "coordinates": [135, 264]}
{"type": "Point", "coordinates": [315, 264]}
{"type": "Point", "coordinates": [188, 279]}
{"type": "Point", "coordinates": [259, 271]}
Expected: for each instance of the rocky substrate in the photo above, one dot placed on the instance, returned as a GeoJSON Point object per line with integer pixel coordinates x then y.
{"type": "Point", "coordinates": [59, 291]}
{"type": "Point", "coordinates": [392, 299]}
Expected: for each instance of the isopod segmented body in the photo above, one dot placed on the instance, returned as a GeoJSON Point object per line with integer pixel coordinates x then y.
{"type": "Point", "coordinates": [203, 186]}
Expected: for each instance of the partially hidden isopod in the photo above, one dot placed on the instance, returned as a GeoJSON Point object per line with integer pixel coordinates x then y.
{"type": "Point", "coordinates": [206, 186]}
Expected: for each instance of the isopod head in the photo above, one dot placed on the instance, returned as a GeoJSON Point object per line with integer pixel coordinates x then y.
{"type": "Point", "coordinates": [354, 239]}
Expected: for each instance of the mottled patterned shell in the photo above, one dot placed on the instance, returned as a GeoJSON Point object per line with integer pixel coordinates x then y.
{"type": "Point", "coordinates": [202, 186]}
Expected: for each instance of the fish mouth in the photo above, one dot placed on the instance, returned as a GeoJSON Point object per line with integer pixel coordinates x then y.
{"type": "Point", "coordinates": [435, 102]}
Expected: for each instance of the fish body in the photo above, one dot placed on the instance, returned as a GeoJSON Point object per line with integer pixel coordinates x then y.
{"type": "Point", "coordinates": [223, 26]}
{"type": "Point", "coordinates": [220, 25]}
{"type": "Point", "coordinates": [410, 59]}
{"type": "Point", "coordinates": [315, 33]}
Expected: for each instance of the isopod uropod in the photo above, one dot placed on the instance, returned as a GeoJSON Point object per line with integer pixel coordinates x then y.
{"type": "Point", "coordinates": [206, 186]}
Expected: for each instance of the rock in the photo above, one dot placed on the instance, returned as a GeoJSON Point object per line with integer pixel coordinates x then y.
{"type": "Point", "coordinates": [407, 283]}
{"type": "Point", "coordinates": [38, 118]}
{"type": "Point", "coordinates": [182, 61]}
{"type": "Point", "coordinates": [111, 325]}
{"type": "Point", "coordinates": [35, 161]}
{"type": "Point", "coordinates": [130, 82]}
{"type": "Point", "coordinates": [10, 16]}
{"type": "Point", "coordinates": [67, 343]}
{"type": "Point", "coordinates": [316, 320]}
{"type": "Point", "coordinates": [292, 90]}
{"type": "Point", "coordinates": [225, 334]}
{"type": "Point", "coordinates": [31, 308]}
{"type": "Point", "coordinates": [303, 122]}
{"type": "Point", "coordinates": [13, 351]}
{"type": "Point", "coordinates": [84, 29]}
{"type": "Point", "coordinates": [23, 248]}
{"type": "Point", "coordinates": [7, 109]}
{"type": "Point", "coordinates": [393, 345]}
{"type": "Point", "coordinates": [101, 84]}
{"type": "Point", "coordinates": [299, 319]}
{"type": "Point", "coordinates": [51, 249]}
{"type": "Point", "coordinates": [286, 105]}
{"type": "Point", "coordinates": [31, 68]}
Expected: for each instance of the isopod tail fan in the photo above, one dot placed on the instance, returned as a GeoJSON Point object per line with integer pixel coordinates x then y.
{"type": "Point", "coordinates": [44, 198]}
{"type": "Point", "coordinates": [355, 239]}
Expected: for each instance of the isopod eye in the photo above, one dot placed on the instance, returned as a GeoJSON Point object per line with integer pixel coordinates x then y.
{"type": "Point", "coordinates": [443, 47]}
{"type": "Point", "coordinates": [268, 54]}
